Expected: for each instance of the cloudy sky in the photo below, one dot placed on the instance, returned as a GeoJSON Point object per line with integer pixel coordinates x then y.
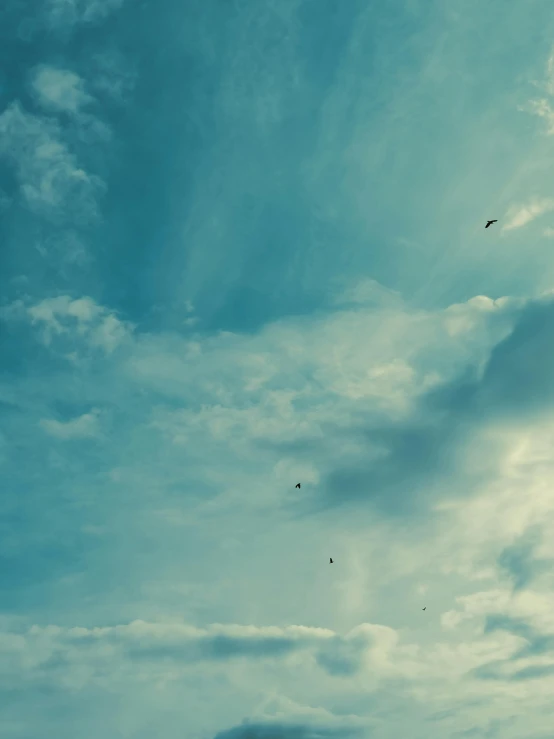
{"type": "Point", "coordinates": [242, 246]}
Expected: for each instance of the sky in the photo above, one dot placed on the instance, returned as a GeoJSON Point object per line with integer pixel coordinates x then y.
{"type": "Point", "coordinates": [242, 246]}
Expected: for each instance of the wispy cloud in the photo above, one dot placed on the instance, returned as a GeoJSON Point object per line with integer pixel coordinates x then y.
{"type": "Point", "coordinates": [70, 12]}
{"type": "Point", "coordinates": [520, 215]}
{"type": "Point", "coordinates": [113, 75]}
{"type": "Point", "coordinates": [86, 426]}
{"type": "Point", "coordinates": [542, 106]}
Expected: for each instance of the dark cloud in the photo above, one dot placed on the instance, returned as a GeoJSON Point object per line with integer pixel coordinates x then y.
{"type": "Point", "coordinates": [414, 457]}
{"type": "Point", "coordinates": [519, 377]}
{"type": "Point", "coordinates": [218, 648]}
{"type": "Point", "coordinates": [337, 655]}
{"type": "Point", "coordinates": [286, 731]}
{"type": "Point", "coordinates": [408, 464]}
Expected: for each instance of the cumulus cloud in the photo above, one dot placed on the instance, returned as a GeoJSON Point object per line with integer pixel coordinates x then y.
{"type": "Point", "coordinates": [392, 430]}
{"type": "Point", "coordinates": [51, 181]}
{"type": "Point", "coordinates": [77, 330]}
{"type": "Point", "coordinates": [454, 422]}
{"type": "Point", "coordinates": [363, 404]}
{"type": "Point", "coordinates": [520, 215]}
{"type": "Point", "coordinates": [237, 400]}
{"type": "Point", "coordinates": [75, 319]}
{"type": "Point", "coordinates": [59, 89]}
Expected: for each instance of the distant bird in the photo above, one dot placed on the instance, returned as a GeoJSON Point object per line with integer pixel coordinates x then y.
{"type": "Point", "coordinates": [297, 485]}
{"type": "Point", "coordinates": [330, 560]}
{"type": "Point", "coordinates": [489, 223]}
{"type": "Point", "coordinates": [424, 609]}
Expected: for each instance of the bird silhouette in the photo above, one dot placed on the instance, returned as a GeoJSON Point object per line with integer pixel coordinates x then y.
{"type": "Point", "coordinates": [424, 609]}
{"type": "Point", "coordinates": [297, 485]}
{"type": "Point", "coordinates": [330, 560]}
{"type": "Point", "coordinates": [489, 223]}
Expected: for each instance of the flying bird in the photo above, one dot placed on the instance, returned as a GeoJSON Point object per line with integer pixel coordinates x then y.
{"type": "Point", "coordinates": [297, 485]}
{"type": "Point", "coordinates": [489, 223]}
{"type": "Point", "coordinates": [424, 609]}
{"type": "Point", "coordinates": [330, 560]}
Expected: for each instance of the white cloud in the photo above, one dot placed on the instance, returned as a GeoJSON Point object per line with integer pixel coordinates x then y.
{"type": "Point", "coordinates": [275, 660]}
{"type": "Point", "coordinates": [219, 399]}
{"type": "Point", "coordinates": [50, 180]}
{"type": "Point", "coordinates": [84, 427]}
{"type": "Point", "coordinates": [80, 320]}
{"type": "Point", "coordinates": [371, 293]}
{"type": "Point", "coordinates": [59, 89]}
{"type": "Point", "coordinates": [83, 310]}
{"type": "Point", "coordinates": [520, 215]}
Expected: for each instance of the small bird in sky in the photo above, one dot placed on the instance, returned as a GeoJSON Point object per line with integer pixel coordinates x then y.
{"type": "Point", "coordinates": [297, 485]}
{"type": "Point", "coordinates": [424, 609]}
{"type": "Point", "coordinates": [489, 223]}
{"type": "Point", "coordinates": [330, 560]}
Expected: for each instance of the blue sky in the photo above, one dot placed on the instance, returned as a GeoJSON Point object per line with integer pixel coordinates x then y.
{"type": "Point", "coordinates": [242, 246]}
